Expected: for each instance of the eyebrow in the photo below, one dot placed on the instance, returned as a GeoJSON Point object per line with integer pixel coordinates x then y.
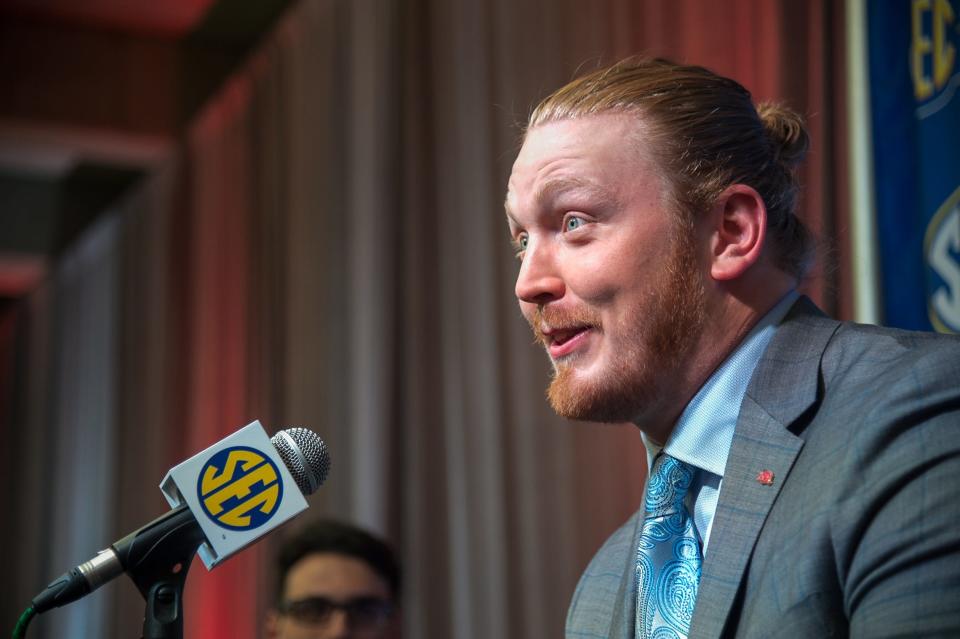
{"type": "Point", "coordinates": [554, 187]}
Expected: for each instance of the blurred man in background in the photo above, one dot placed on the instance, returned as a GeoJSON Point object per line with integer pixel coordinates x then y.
{"type": "Point", "coordinates": [335, 581]}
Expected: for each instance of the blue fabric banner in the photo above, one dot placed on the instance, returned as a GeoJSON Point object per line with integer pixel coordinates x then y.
{"type": "Point", "coordinates": [915, 109]}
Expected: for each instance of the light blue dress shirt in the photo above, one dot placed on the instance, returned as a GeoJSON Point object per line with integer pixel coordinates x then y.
{"type": "Point", "coordinates": [704, 432]}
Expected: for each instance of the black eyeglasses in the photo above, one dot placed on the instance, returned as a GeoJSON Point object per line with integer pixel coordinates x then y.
{"type": "Point", "coordinates": [363, 613]}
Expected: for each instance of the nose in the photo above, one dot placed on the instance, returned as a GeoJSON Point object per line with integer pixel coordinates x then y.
{"type": "Point", "coordinates": [338, 626]}
{"type": "Point", "coordinates": [539, 281]}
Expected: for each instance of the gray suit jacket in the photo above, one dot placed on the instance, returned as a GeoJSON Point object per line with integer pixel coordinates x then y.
{"type": "Point", "coordinates": [859, 534]}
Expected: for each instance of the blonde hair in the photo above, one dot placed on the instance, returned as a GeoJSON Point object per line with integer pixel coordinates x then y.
{"type": "Point", "coordinates": [706, 134]}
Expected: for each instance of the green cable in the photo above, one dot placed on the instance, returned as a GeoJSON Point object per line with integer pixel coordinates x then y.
{"type": "Point", "coordinates": [21, 630]}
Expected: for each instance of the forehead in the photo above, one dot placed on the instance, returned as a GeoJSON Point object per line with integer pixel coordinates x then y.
{"type": "Point", "coordinates": [606, 153]}
{"type": "Point", "coordinates": [335, 576]}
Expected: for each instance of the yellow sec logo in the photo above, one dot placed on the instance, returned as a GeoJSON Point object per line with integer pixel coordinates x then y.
{"type": "Point", "coordinates": [240, 488]}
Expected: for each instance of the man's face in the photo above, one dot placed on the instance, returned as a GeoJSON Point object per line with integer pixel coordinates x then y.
{"type": "Point", "coordinates": [318, 580]}
{"type": "Point", "coordinates": [609, 279]}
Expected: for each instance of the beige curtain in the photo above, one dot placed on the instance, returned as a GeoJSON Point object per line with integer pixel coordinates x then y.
{"type": "Point", "coordinates": [328, 249]}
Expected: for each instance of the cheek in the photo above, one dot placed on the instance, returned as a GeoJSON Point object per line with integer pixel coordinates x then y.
{"type": "Point", "coordinates": [601, 281]}
{"type": "Point", "coordinates": [627, 268]}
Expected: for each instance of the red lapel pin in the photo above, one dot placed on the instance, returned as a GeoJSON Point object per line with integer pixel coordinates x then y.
{"type": "Point", "coordinates": [765, 477]}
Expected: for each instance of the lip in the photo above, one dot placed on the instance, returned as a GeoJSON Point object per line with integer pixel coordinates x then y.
{"type": "Point", "coordinates": [569, 344]}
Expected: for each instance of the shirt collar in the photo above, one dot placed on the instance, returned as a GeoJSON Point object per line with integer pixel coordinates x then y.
{"type": "Point", "coordinates": [704, 432]}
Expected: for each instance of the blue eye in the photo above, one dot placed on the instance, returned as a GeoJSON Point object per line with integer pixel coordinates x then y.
{"type": "Point", "coordinates": [522, 242]}
{"type": "Point", "coordinates": [573, 223]}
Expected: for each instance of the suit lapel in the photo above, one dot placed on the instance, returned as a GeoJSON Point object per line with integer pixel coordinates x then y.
{"type": "Point", "coordinates": [783, 386]}
{"type": "Point", "coordinates": [624, 608]}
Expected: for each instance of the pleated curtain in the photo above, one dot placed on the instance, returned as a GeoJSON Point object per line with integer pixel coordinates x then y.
{"type": "Point", "coordinates": [326, 247]}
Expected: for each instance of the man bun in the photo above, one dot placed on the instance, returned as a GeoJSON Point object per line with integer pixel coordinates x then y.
{"type": "Point", "coordinates": [786, 132]}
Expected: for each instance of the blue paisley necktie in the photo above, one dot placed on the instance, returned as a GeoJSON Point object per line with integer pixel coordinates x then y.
{"type": "Point", "coordinates": [669, 557]}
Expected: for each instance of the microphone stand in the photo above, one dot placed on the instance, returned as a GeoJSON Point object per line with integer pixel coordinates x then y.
{"type": "Point", "coordinates": [157, 558]}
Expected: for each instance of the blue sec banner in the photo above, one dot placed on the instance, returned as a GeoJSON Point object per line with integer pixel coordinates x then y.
{"type": "Point", "coordinates": [915, 108]}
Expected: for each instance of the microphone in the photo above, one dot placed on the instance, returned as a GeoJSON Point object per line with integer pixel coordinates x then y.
{"type": "Point", "coordinates": [224, 498]}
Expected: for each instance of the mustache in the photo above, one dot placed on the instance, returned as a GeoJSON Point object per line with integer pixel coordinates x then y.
{"type": "Point", "coordinates": [551, 317]}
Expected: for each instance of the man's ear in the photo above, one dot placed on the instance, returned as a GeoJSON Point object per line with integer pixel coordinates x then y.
{"type": "Point", "coordinates": [738, 233]}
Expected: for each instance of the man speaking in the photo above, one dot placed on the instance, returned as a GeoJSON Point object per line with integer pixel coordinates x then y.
{"type": "Point", "coordinates": [804, 472]}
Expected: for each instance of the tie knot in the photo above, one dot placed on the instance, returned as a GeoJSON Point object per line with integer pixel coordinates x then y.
{"type": "Point", "coordinates": [670, 479]}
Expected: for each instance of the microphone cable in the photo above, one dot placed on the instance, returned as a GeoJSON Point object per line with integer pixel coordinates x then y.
{"type": "Point", "coordinates": [20, 631]}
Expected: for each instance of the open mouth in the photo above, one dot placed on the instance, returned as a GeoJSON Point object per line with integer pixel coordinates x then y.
{"type": "Point", "coordinates": [564, 341]}
{"type": "Point", "coordinates": [562, 336]}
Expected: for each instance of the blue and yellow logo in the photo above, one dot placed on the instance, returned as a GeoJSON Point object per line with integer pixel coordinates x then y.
{"type": "Point", "coordinates": [942, 250]}
{"type": "Point", "coordinates": [933, 54]}
{"type": "Point", "coordinates": [240, 488]}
